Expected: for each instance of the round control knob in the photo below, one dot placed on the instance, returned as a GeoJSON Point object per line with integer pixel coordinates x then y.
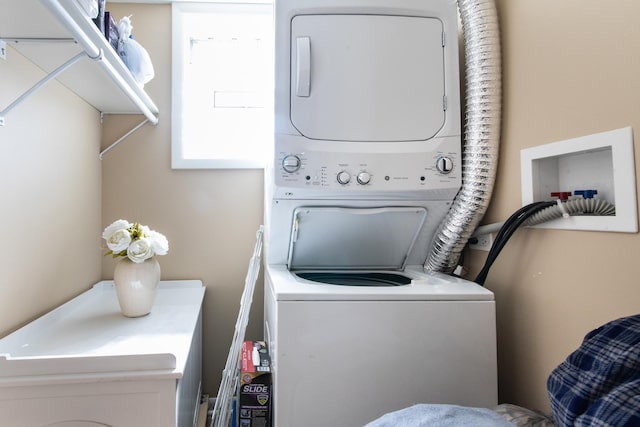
{"type": "Point", "coordinates": [444, 164]}
{"type": "Point", "coordinates": [291, 163]}
{"type": "Point", "coordinates": [344, 177]}
{"type": "Point", "coordinates": [364, 178]}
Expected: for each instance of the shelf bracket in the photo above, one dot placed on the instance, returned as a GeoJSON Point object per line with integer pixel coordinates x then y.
{"type": "Point", "coordinates": [122, 138]}
{"type": "Point", "coordinates": [42, 82]}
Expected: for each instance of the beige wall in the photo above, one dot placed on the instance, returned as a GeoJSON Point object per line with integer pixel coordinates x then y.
{"type": "Point", "coordinates": [209, 216]}
{"type": "Point", "coordinates": [570, 68]}
{"type": "Point", "coordinates": [50, 195]}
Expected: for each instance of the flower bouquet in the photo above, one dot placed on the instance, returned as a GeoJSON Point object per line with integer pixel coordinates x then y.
{"type": "Point", "coordinates": [135, 241]}
{"type": "Point", "coordinates": [137, 273]}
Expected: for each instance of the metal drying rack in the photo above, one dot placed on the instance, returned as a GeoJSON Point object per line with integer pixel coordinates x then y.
{"type": "Point", "coordinates": [229, 383]}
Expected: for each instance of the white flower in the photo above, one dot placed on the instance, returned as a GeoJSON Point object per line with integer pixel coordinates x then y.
{"type": "Point", "coordinates": [140, 250]}
{"type": "Point", "coordinates": [115, 226]}
{"type": "Point", "coordinates": [119, 241]}
{"type": "Point", "coordinates": [145, 230]}
{"type": "Point", "coordinates": [159, 243]}
{"type": "Point", "coordinates": [117, 236]}
{"type": "Point", "coordinates": [135, 241]}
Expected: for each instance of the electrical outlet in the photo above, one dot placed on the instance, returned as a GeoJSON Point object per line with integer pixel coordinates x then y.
{"type": "Point", "coordinates": [484, 242]}
{"type": "Point", "coordinates": [3, 49]}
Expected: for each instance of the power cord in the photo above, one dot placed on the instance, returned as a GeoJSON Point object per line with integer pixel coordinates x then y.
{"type": "Point", "coordinates": [505, 232]}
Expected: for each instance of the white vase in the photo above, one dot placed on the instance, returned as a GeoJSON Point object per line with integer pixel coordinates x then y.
{"type": "Point", "coordinates": [136, 285]}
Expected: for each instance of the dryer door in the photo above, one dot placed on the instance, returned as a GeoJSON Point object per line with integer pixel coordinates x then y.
{"type": "Point", "coordinates": [367, 77]}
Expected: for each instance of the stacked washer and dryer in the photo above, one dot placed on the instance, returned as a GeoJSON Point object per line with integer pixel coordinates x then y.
{"type": "Point", "coordinates": [366, 163]}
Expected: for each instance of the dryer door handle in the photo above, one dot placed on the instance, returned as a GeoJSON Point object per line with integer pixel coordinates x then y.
{"type": "Point", "coordinates": [303, 66]}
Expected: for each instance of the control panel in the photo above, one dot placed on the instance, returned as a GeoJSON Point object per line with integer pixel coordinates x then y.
{"type": "Point", "coordinates": [434, 169]}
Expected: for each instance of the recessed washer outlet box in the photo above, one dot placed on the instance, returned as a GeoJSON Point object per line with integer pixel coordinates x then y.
{"type": "Point", "coordinates": [603, 162]}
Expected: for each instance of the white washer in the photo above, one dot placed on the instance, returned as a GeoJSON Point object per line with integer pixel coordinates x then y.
{"type": "Point", "coordinates": [392, 337]}
{"type": "Point", "coordinates": [345, 355]}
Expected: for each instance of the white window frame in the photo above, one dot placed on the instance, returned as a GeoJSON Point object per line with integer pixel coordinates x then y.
{"type": "Point", "coordinates": [178, 160]}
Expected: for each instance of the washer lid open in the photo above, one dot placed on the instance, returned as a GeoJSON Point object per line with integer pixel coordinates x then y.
{"type": "Point", "coordinates": [353, 238]}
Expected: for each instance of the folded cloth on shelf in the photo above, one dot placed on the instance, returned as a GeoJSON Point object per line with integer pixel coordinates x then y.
{"type": "Point", "coordinates": [599, 383]}
{"type": "Point", "coordinates": [435, 415]}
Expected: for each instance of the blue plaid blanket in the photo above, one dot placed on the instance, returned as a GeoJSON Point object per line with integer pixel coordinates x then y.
{"type": "Point", "coordinates": [599, 383]}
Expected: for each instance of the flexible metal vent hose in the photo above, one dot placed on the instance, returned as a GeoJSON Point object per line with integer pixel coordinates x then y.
{"type": "Point", "coordinates": [482, 133]}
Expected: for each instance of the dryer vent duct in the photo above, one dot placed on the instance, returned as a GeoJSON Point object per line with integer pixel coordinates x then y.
{"type": "Point", "coordinates": [482, 133]}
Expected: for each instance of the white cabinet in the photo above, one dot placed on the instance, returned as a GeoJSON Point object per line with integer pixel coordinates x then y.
{"type": "Point", "coordinates": [84, 364]}
{"type": "Point", "coordinates": [51, 32]}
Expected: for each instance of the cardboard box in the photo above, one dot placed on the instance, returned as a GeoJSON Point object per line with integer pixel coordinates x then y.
{"type": "Point", "coordinates": [255, 386]}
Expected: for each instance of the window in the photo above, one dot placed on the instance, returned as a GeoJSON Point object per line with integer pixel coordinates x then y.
{"type": "Point", "coordinates": [222, 84]}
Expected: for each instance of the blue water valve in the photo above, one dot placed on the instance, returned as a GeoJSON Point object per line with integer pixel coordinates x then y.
{"type": "Point", "coordinates": [587, 194]}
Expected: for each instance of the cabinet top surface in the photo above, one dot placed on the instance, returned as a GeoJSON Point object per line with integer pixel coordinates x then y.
{"type": "Point", "coordinates": [89, 335]}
